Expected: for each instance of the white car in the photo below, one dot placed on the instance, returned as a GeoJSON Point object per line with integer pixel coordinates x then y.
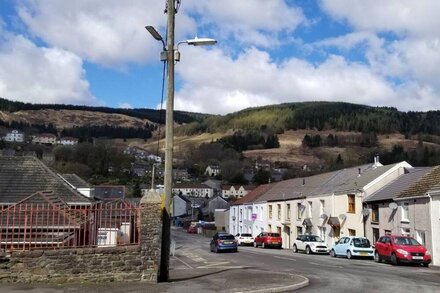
{"type": "Point", "coordinates": [352, 246]}
{"type": "Point", "coordinates": [310, 244]}
{"type": "Point", "coordinates": [244, 239]}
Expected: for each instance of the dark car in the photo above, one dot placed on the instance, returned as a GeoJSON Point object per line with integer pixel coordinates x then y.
{"type": "Point", "coordinates": [223, 242]}
{"type": "Point", "coordinates": [399, 249]}
{"type": "Point", "coordinates": [268, 239]}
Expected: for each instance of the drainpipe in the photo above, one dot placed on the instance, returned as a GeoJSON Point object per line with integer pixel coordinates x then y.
{"type": "Point", "coordinates": [433, 243]}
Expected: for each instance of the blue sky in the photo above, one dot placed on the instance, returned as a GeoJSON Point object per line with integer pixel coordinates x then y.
{"type": "Point", "coordinates": [97, 52]}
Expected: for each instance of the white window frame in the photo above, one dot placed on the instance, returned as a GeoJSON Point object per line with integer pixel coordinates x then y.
{"type": "Point", "coordinates": [404, 209]}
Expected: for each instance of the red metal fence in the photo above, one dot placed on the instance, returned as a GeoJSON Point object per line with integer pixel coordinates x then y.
{"type": "Point", "coordinates": [47, 226]}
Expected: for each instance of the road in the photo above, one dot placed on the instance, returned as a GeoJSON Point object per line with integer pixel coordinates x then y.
{"type": "Point", "coordinates": [326, 274]}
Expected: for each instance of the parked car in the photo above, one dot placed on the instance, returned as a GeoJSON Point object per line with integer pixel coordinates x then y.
{"type": "Point", "coordinates": [244, 239]}
{"type": "Point", "coordinates": [352, 246]}
{"type": "Point", "coordinates": [268, 239]}
{"type": "Point", "coordinates": [223, 241]}
{"type": "Point", "coordinates": [399, 249]}
{"type": "Point", "coordinates": [310, 244]}
{"type": "Point", "coordinates": [192, 229]}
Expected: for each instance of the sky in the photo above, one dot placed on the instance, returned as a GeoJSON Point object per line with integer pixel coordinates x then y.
{"type": "Point", "coordinates": [98, 53]}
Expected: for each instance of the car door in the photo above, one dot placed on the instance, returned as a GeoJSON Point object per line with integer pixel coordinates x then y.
{"type": "Point", "coordinates": [340, 247]}
{"type": "Point", "coordinates": [300, 245]}
{"type": "Point", "coordinates": [387, 248]}
{"type": "Point", "coordinates": [258, 238]}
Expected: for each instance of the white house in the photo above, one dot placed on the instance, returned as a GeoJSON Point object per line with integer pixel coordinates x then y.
{"type": "Point", "coordinates": [45, 138]}
{"type": "Point", "coordinates": [212, 170]}
{"type": "Point", "coordinates": [14, 136]}
{"type": "Point", "coordinates": [155, 158]}
{"type": "Point", "coordinates": [193, 189]}
{"type": "Point", "coordinates": [68, 141]}
{"type": "Point", "coordinates": [236, 191]}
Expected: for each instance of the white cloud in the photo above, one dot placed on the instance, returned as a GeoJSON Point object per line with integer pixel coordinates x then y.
{"type": "Point", "coordinates": [41, 75]}
{"type": "Point", "coordinates": [107, 32]}
{"type": "Point", "coordinates": [125, 106]}
{"type": "Point", "coordinates": [256, 22]}
{"type": "Point", "coordinates": [216, 83]}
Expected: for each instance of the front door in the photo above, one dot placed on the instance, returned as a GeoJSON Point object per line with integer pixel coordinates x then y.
{"type": "Point", "coordinates": [286, 237]}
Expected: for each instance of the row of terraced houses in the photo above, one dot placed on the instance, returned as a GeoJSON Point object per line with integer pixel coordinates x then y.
{"type": "Point", "coordinates": [369, 200]}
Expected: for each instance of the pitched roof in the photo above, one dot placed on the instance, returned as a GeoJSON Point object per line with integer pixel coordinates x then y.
{"type": "Point", "coordinates": [75, 181]}
{"type": "Point", "coordinates": [191, 185]}
{"type": "Point", "coordinates": [254, 194]}
{"type": "Point", "coordinates": [109, 192]}
{"type": "Point", "coordinates": [22, 176]}
{"type": "Point", "coordinates": [423, 185]}
{"type": "Point", "coordinates": [394, 188]}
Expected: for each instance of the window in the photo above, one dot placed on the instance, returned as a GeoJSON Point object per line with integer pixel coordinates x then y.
{"type": "Point", "coordinates": [310, 208]}
{"type": "Point", "coordinates": [351, 203]}
{"type": "Point", "coordinates": [298, 211]}
{"type": "Point", "coordinates": [405, 212]}
{"type": "Point", "coordinates": [288, 212]}
{"type": "Point", "coordinates": [278, 211]}
{"type": "Point", "coordinates": [270, 212]}
{"type": "Point", "coordinates": [278, 232]}
{"type": "Point", "coordinates": [375, 234]}
{"type": "Point", "coordinates": [405, 231]}
{"type": "Point", "coordinates": [375, 213]}
{"type": "Point", "coordinates": [269, 228]}
{"type": "Point", "coordinates": [351, 232]}
{"type": "Point", "coordinates": [322, 208]}
{"type": "Point", "coordinates": [387, 232]}
{"type": "Point", "coordinates": [299, 230]}
{"type": "Point", "coordinates": [420, 236]}
{"type": "Point", "coordinates": [322, 231]}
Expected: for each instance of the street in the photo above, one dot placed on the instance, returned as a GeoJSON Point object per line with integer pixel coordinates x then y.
{"type": "Point", "coordinates": [326, 274]}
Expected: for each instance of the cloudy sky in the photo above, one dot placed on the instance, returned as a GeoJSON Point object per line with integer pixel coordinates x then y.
{"type": "Point", "coordinates": [97, 52]}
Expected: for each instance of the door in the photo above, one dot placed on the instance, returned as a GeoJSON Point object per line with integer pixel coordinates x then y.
{"type": "Point", "coordinates": [286, 238]}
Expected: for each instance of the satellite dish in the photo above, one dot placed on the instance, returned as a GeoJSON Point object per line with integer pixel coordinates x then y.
{"type": "Point", "coordinates": [365, 212]}
{"type": "Point", "coordinates": [324, 216]}
{"type": "Point", "coordinates": [342, 217]}
{"type": "Point", "coordinates": [393, 206]}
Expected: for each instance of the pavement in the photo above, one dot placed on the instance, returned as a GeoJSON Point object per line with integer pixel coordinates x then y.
{"type": "Point", "coordinates": [197, 280]}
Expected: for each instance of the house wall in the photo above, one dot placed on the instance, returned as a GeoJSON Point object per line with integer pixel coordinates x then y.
{"type": "Point", "coordinates": [435, 228]}
{"type": "Point", "coordinates": [179, 207]}
{"type": "Point", "coordinates": [388, 220]}
{"type": "Point", "coordinates": [247, 218]}
{"type": "Point", "coordinates": [234, 219]}
{"type": "Point", "coordinates": [260, 224]}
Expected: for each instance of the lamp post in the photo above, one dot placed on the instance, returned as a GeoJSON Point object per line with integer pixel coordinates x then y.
{"type": "Point", "coordinates": [170, 54]}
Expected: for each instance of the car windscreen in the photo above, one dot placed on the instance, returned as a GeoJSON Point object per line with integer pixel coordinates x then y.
{"type": "Point", "coordinates": [406, 241]}
{"type": "Point", "coordinates": [361, 242]}
{"type": "Point", "coordinates": [313, 239]}
{"type": "Point", "coordinates": [246, 235]}
{"type": "Point", "coordinates": [273, 234]}
{"type": "Point", "coordinates": [226, 237]}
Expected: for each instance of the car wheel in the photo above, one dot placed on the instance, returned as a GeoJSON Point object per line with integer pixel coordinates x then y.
{"type": "Point", "coordinates": [263, 245]}
{"type": "Point", "coordinates": [349, 256]}
{"type": "Point", "coordinates": [308, 250]}
{"type": "Point", "coordinates": [216, 249]}
{"type": "Point", "coordinates": [255, 244]}
{"type": "Point", "coordinates": [295, 249]}
{"type": "Point", "coordinates": [394, 259]}
{"type": "Point", "coordinates": [377, 257]}
{"type": "Point", "coordinates": [425, 264]}
{"type": "Point", "coordinates": [333, 253]}
{"type": "Point", "coordinates": [236, 250]}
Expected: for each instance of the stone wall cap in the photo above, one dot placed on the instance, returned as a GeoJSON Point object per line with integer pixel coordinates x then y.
{"type": "Point", "coordinates": [151, 196]}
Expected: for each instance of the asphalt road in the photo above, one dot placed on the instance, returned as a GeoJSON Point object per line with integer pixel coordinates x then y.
{"type": "Point", "coordinates": [326, 274]}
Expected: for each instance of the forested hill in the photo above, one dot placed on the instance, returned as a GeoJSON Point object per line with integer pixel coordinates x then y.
{"type": "Point", "coordinates": [142, 113]}
{"type": "Point", "coordinates": [321, 116]}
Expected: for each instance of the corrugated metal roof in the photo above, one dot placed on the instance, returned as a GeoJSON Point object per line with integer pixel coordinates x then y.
{"type": "Point", "coordinates": [404, 181]}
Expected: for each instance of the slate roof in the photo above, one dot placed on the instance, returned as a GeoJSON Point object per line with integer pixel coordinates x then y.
{"type": "Point", "coordinates": [394, 188]}
{"type": "Point", "coordinates": [22, 176]}
{"type": "Point", "coordinates": [253, 194]}
{"type": "Point", "coordinates": [75, 181]}
{"type": "Point", "coordinates": [193, 185]}
{"type": "Point", "coordinates": [423, 185]}
{"type": "Point", "coordinates": [109, 192]}
{"type": "Point", "coordinates": [338, 182]}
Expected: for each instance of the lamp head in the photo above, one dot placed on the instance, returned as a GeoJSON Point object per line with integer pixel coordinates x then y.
{"type": "Point", "coordinates": [201, 42]}
{"type": "Point", "coordinates": [154, 32]}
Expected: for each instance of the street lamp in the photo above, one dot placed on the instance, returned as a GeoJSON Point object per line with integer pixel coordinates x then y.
{"type": "Point", "coordinates": [168, 55]}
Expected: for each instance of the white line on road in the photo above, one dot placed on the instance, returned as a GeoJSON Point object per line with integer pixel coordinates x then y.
{"type": "Point", "coordinates": [183, 262]}
{"type": "Point", "coordinates": [292, 259]}
{"type": "Point", "coordinates": [213, 264]}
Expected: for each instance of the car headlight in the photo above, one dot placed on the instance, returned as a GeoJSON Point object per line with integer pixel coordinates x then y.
{"type": "Point", "coordinates": [401, 251]}
{"type": "Point", "coordinates": [312, 244]}
{"type": "Point", "coordinates": [427, 252]}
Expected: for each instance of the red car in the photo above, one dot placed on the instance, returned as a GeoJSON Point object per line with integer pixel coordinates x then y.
{"type": "Point", "coordinates": [192, 230]}
{"type": "Point", "coordinates": [399, 249]}
{"type": "Point", "coordinates": [268, 239]}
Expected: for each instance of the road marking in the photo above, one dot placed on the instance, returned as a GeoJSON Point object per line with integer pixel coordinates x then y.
{"type": "Point", "coordinates": [324, 265]}
{"type": "Point", "coordinates": [208, 265]}
{"type": "Point", "coordinates": [183, 262]}
{"type": "Point", "coordinates": [292, 259]}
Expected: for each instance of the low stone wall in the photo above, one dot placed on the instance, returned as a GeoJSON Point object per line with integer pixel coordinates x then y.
{"type": "Point", "coordinates": [73, 265]}
{"type": "Point", "coordinates": [121, 263]}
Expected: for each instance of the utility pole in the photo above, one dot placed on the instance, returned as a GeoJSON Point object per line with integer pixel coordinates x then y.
{"type": "Point", "coordinates": [169, 144]}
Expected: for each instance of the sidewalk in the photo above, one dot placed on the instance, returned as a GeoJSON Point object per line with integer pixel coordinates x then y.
{"type": "Point", "coordinates": [229, 280]}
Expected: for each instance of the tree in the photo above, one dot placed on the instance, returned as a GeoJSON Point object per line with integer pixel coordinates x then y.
{"type": "Point", "coordinates": [262, 177]}
{"type": "Point", "coordinates": [137, 192]}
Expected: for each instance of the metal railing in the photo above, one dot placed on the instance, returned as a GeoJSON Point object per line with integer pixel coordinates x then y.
{"type": "Point", "coordinates": [29, 226]}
